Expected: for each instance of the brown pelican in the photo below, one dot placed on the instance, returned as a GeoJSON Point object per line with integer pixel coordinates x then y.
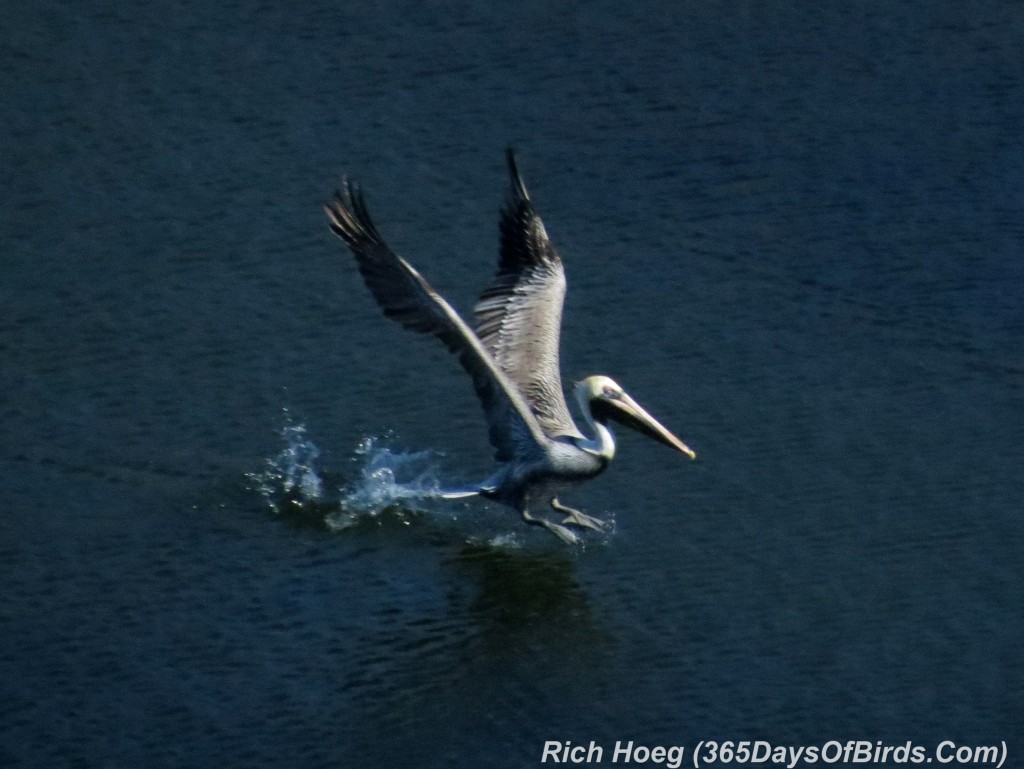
{"type": "Point", "coordinates": [511, 356]}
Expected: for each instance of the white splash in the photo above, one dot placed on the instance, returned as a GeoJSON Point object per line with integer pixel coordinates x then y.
{"type": "Point", "coordinates": [402, 482]}
{"type": "Point", "coordinates": [291, 476]}
{"type": "Point", "coordinates": [382, 482]}
{"type": "Point", "coordinates": [380, 485]}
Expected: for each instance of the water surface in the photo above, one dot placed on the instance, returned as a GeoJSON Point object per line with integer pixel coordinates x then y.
{"type": "Point", "coordinates": [794, 235]}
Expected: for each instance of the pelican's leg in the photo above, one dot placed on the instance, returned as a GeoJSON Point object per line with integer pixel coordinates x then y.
{"type": "Point", "coordinates": [576, 518]}
{"type": "Point", "coordinates": [559, 531]}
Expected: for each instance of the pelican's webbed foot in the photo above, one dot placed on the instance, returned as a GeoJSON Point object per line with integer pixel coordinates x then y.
{"type": "Point", "coordinates": [576, 518]}
{"type": "Point", "coordinates": [558, 530]}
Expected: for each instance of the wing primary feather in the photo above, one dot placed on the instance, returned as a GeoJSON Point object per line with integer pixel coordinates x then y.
{"type": "Point", "coordinates": [518, 187]}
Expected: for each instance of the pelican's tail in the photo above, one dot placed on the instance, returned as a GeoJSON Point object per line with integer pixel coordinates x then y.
{"type": "Point", "coordinates": [482, 489]}
{"type": "Point", "coordinates": [459, 493]}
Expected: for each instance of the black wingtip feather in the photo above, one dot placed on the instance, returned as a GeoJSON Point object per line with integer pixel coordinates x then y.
{"type": "Point", "coordinates": [518, 187]}
{"type": "Point", "coordinates": [349, 217]}
{"type": "Point", "coordinates": [362, 212]}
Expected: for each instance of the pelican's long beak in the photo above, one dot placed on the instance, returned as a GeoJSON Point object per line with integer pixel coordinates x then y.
{"type": "Point", "coordinates": [628, 412]}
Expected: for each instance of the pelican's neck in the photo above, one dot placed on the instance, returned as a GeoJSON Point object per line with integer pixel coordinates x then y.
{"type": "Point", "coordinates": [603, 443]}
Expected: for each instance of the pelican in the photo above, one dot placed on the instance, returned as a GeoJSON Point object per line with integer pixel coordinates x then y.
{"type": "Point", "coordinates": [511, 354]}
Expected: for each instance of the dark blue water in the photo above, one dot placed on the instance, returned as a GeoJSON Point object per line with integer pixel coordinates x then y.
{"type": "Point", "coordinates": [795, 235]}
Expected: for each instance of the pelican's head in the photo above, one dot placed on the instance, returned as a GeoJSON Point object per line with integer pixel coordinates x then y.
{"type": "Point", "coordinates": [609, 401]}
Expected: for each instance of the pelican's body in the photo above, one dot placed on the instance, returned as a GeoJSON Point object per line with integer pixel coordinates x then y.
{"type": "Point", "coordinates": [512, 357]}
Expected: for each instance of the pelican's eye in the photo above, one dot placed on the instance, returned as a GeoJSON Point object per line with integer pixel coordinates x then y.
{"type": "Point", "coordinates": [610, 392]}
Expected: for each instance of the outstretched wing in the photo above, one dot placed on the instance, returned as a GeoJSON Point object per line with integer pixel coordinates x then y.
{"type": "Point", "coordinates": [408, 299]}
{"type": "Point", "coordinates": [519, 316]}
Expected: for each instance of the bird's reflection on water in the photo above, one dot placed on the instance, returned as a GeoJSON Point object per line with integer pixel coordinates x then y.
{"type": "Point", "coordinates": [499, 618]}
{"type": "Point", "coordinates": [527, 599]}
{"type": "Point", "coordinates": [502, 599]}
{"type": "Point", "coordinates": [520, 587]}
